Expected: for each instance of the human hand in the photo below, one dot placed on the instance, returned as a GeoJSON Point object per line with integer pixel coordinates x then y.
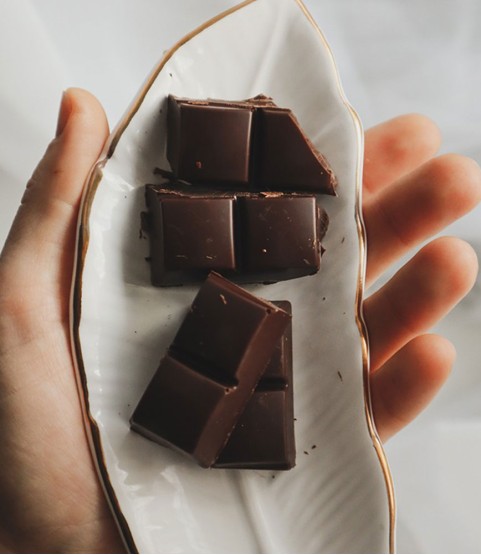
{"type": "Point", "coordinates": [50, 496]}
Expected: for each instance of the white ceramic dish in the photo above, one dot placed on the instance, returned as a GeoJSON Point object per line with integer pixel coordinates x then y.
{"type": "Point", "coordinates": [339, 496]}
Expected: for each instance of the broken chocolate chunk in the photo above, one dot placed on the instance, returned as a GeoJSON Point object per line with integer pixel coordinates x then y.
{"type": "Point", "coordinates": [263, 437]}
{"type": "Point", "coordinates": [210, 371]}
{"type": "Point", "coordinates": [247, 237]}
{"type": "Point", "coordinates": [250, 145]}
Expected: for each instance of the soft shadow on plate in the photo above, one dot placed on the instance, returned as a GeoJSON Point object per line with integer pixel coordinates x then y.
{"type": "Point", "coordinates": [339, 496]}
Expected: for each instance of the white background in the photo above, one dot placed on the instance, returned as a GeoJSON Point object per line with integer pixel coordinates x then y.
{"type": "Point", "coordinates": [394, 56]}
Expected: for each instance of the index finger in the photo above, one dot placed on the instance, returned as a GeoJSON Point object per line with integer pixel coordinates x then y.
{"type": "Point", "coordinates": [396, 147]}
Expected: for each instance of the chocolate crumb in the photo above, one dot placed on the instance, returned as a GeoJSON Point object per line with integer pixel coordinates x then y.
{"type": "Point", "coordinates": [306, 453]}
{"type": "Point", "coordinates": [340, 376]}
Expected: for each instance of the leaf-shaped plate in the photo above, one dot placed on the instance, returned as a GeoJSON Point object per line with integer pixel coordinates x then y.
{"type": "Point", "coordinates": [339, 496]}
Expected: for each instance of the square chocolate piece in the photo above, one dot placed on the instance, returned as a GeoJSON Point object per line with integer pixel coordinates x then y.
{"type": "Point", "coordinates": [189, 236]}
{"type": "Point", "coordinates": [220, 328]}
{"type": "Point", "coordinates": [281, 236]}
{"type": "Point", "coordinates": [177, 404]}
{"type": "Point", "coordinates": [209, 142]}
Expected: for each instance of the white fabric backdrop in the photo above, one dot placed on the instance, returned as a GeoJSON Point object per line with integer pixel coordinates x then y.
{"type": "Point", "coordinates": [394, 56]}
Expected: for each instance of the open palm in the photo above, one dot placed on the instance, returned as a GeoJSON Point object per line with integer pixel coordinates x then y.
{"type": "Point", "coordinates": [50, 497]}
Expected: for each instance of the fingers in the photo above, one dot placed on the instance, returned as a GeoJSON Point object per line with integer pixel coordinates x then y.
{"type": "Point", "coordinates": [418, 206]}
{"type": "Point", "coordinates": [419, 295]}
{"type": "Point", "coordinates": [395, 147]}
{"type": "Point", "coordinates": [405, 385]}
{"type": "Point", "coordinates": [408, 197]}
{"type": "Point", "coordinates": [51, 199]}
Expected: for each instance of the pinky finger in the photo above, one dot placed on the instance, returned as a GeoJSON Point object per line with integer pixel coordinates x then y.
{"type": "Point", "coordinates": [406, 383]}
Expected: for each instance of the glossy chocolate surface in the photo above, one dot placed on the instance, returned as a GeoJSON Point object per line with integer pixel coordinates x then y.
{"type": "Point", "coordinates": [209, 143]}
{"type": "Point", "coordinates": [189, 236]}
{"type": "Point", "coordinates": [280, 236]}
{"type": "Point", "coordinates": [243, 145]}
{"type": "Point", "coordinates": [247, 237]}
{"type": "Point", "coordinates": [264, 435]}
{"type": "Point", "coordinates": [210, 371]}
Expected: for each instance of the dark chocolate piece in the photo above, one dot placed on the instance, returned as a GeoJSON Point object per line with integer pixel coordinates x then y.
{"type": "Point", "coordinates": [209, 143]}
{"type": "Point", "coordinates": [280, 236]}
{"type": "Point", "coordinates": [189, 236]}
{"type": "Point", "coordinates": [286, 159]}
{"type": "Point", "coordinates": [264, 435]}
{"type": "Point", "coordinates": [244, 145]}
{"type": "Point", "coordinates": [210, 371]}
{"type": "Point", "coordinates": [246, 237]}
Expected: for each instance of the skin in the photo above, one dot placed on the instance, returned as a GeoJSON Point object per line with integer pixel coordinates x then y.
{"type": "Point", "coordinates": [50, 497]}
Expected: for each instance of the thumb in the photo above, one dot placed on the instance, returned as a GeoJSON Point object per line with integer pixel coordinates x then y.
{"type": "Point", "coordinates": [40, 244]}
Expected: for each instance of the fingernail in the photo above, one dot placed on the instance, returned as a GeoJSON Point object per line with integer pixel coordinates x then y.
{"type": "Point", "coordinates": [63, 114]}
